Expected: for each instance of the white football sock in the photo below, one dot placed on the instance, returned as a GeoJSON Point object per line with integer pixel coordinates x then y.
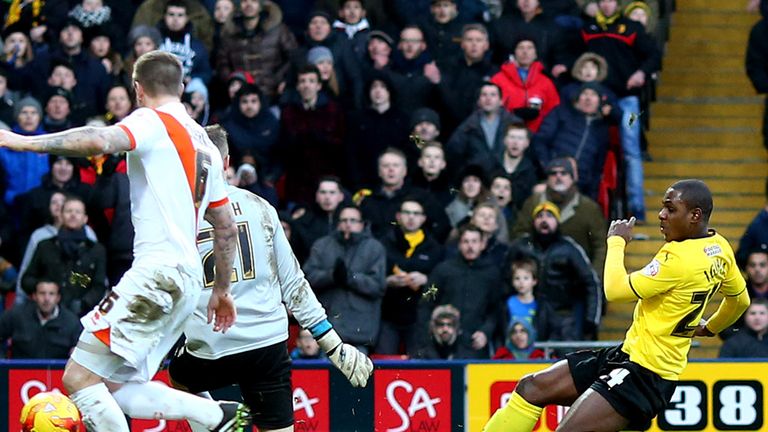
{"type": "Point", "coordinates": [100, 411]}
{"type": "Point", "coordinates": [154, 400]}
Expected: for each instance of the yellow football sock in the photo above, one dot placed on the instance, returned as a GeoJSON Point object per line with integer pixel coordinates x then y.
{"type": "Point", "coordinates": [517, 416]}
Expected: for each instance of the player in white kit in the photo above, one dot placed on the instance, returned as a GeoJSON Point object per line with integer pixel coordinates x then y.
{"type": "Point", "coordinates": [176, 180]}
{"type": "Point", "coordinates": [253, 353]}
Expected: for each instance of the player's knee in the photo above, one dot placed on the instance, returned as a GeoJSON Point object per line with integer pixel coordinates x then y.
{"type": "Point", "coordinates": [526, 387]}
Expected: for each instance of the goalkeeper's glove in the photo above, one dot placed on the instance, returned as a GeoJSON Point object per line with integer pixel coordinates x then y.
{"type": "Point", "coordinates": [356, 366]}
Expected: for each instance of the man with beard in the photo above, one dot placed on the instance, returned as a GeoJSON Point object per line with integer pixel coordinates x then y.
{"type": "Point", "coordinates": [581, 218]}
{"type": "Point", "coordinates": [447, 340]}
{"type": "Point", "coordinates": [569, 304]}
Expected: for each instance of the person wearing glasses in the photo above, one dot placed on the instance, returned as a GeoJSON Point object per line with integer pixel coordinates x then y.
{"type": "Point", "coordinates": [580, 217]}
{"type": "Point", "coordinates": [347, 269]}
{"type": "Point", "coordinates": [412, 253]}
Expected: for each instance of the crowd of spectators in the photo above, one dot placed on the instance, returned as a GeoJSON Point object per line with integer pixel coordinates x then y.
{"type": "Point", "coordinates": [437, 164]}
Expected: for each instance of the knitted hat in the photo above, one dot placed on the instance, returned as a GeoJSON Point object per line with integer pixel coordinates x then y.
{"type": "Point", "coordinates": [27, 102]}
{"type": "Point", "coordinates": [319, 54]}
{"type": "Point", "coordinates": [425, 115]}
{"type": "Point", "coordinates": [547, 206]}
{"type": "Point", "coordinates": [58, 91]}
{"type": "Point", "coordinates": [242, 76]}
{"type": "Point", "coordinates": [144, 31]}
{"type": "Point", "coordinates": [597, 88]}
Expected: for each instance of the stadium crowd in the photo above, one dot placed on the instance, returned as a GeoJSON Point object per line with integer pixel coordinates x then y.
{"type": "Point", "coordinates": [444, 169]}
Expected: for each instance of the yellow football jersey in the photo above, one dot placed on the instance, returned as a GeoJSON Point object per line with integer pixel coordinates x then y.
{"type": "Point", "coordinates": [674, 289]}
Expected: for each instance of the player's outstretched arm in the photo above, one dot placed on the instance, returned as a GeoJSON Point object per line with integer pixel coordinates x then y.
{"type": "Point", "coordinates": [221, 307]}
{"type": "Point", "coordinates": [82, 141]}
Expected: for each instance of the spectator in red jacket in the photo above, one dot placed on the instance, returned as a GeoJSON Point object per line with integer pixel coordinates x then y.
{"type": "Point", "coordinates": [526, 91]}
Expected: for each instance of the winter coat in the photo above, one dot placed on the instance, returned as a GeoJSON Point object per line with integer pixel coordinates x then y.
{"type": "Point", "coordinates": [467, 145]}
{"type": "Point", "coordinates": [263, 52]}
{"type": "Point", "coordinates": [443, 40]}
{"type": "Point", "coordinates": [565, 275]}
{"type": "Point", "coordinates": [626, 47]}
{"type": "Point", "coordinates": [379, 210]}
{"type": "Point", "coordinates": [109, 211]}
{"type": "Point", "coordinates": [524, 178]}
{"type": "Point", "coordinates": [353, 306]}
{"type": "Point", "coordinates": [517, 93]}
{"type": "Point", "coordinates": [745, 344]}
{"type": "Point", "coordinates": [50, 262]}
{"type": "Point", "coordinates": [312, 146]}
{"type": "Point", "coordinates": [459, 85]}
{"type": "Point", "coordinates": [412, 88]}
{"type": "Point", "coordinates": [439, 188]}
{"type": "Point", "coordinates": [32, 340]}
{"type": "Point", "coordinates": [475, 289]}
{"type": "Point", "coordinates": [755, 237]}
{"type": "Point", "coordinates": [757, 56]}
{"type": "Point", "coordinates": [568, 132]}
{"type": "Point", "coordinates": [580, 219]}
{"type": "Point", "coordinates": [506, 31]}
{"type": "Point", "coordinates": [23, 171]}
{"type": "Point", "coordinates": [35, 205]}
{"type": "Point", "coordinates": [401, 304]}
{"type": "Point", "coordinates": [369, 134]}
{"type": "Point", "coordinates": [311, 226]}
{"type": "Point", "coordinates": [258, 137]}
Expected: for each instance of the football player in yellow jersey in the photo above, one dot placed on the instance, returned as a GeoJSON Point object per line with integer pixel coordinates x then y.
{"type": "Point", "coordinates": [625, 387]}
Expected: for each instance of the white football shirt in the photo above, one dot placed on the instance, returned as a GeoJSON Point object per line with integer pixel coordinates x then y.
{"type": "Point", "coordinates": [175, 173]}
{"type": "Point", "coordinates": [267, 277]}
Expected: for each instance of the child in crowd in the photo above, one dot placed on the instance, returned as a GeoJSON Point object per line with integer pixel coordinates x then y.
{"type": "Point", "coordinates": [519, 344]}
{"type": "Point", "coordinates": [521, 306]}
{"type": "Point", "coordinates": [306, 347]}
{"type": "Point", "coordinates": [352, 20]}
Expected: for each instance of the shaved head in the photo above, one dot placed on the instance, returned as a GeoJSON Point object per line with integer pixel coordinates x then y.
{"type": "Point", "coordinates": [695, 194]}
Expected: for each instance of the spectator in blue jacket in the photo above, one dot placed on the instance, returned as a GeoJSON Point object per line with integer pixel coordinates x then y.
{"type": "Point", "coordinates": [24, 171]}
{"type": "Point", "coordinates": [176, 30]}
{"type": "Point", "coordinates": [756, 235]}
{"type": "Point", "coordinates": [579, 130]}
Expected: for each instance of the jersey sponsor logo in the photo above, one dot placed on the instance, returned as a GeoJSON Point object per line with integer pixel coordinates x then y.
{"type": "Point", "coordinates": [652, 269]}
{"type": "Point", "coordinates": [713, 250]}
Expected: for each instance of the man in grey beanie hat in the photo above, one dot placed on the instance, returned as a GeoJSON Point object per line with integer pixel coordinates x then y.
{"type": "Point", "coordinates": [28, 101]}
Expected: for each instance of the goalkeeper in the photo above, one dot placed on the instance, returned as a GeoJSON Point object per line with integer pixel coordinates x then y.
{"type": "Point", "coordinates": [254, 353]}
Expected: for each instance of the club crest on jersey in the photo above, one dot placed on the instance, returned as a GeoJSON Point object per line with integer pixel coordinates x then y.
{"type": "Point", "coordinates": [652, 269]}
{"type": "Point", "coordinates": [713, 250]}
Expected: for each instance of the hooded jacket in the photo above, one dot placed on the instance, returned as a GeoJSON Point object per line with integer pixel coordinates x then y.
{"type": "Point", "coordinates": [257, 137]}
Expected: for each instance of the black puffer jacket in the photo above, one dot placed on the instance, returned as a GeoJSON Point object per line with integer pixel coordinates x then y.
{"type": "Point", "coordinates": [565, 274]}
{"type": "Point", "coordinates": [475, 289]}
{"type": "Point", "coordinates": [51, 262]}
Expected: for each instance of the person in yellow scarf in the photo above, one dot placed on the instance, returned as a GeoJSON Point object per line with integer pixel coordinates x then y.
{"type": "Point", "coordinates": [411, 255]}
